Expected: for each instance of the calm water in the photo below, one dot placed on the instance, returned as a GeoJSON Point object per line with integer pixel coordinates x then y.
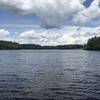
{"type": "Point", "coordinates": [50, 75]}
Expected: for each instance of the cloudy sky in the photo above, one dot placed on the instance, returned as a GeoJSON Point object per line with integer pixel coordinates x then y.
{"type": "Point", "coordinates": [49, 22]}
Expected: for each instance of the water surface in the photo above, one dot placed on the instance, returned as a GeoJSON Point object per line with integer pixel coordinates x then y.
{"type": "Point", "coordinates": [49, 75]}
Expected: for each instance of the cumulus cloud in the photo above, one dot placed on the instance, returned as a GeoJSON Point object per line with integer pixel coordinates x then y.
{"type": "Point", "coordinates": [54, 12]}
{"type": "Point", "coordinates": [51, 12]}
{"type": "Point", "coordinates": [88, 13]}
{"type": "Point", "coordinates": [66, 35]}
{"type": "Point", "coordinates": [40, 37]}
{"type": "Point", "coordinates": [21, 6]}
{"type": "Point", "coordinates": [4, 33]}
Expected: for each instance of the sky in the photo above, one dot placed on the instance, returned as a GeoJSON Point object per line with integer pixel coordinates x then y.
{"type": "Point", "coordinates": [49, 22]}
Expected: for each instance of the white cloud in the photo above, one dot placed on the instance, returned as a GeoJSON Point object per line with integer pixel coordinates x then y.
{"type": "Point", "coordinates": [4, 33]}
{"type": "Point", "coordinates": [51, 12]}
{"type": "Point", "coordinates": [54, 12]}
{"type": "Point", "coordinates": [39, 37]}
{"type": "Point", "coordinates": [88, 13]}
{"type": "Point", "coordinates": [66, 35]}
{"type": "Point", "coordinates": [22, 6]}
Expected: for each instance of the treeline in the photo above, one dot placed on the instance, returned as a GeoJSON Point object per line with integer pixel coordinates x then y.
{"type": "Point", "coordinates": [93, 44]}
{"type": "Point", "coordinates": [7, 45]}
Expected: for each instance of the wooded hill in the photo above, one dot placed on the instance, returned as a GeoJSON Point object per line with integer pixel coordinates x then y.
{"type": "Point", "coordinates": [93, 44]}
{"type": "Point", "coordinates": [8, 45]}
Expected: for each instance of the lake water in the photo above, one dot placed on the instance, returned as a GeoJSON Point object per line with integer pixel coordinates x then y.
{"type": "Point", "coordinates": [49, 75]}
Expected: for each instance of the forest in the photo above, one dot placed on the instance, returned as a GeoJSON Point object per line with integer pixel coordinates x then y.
{"type": "Point", "coordinates": [92, 44]}
{"type": "Point", "coordinates": [8, 45]}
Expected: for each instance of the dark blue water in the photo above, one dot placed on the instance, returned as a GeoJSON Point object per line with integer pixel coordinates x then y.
{"type": "Point", "coordinates": [50, 75]}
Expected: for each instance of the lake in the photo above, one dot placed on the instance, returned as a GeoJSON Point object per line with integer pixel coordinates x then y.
{"type": "Point", "coordinates": [49, 75]}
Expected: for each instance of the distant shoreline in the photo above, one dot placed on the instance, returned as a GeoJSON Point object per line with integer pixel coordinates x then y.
{"type": "Point", "coordinates": [93, 44]}
{"type": "Point", "coordinates": [40, 49]}
{"type": "Point", "coordinates": [8, 45]}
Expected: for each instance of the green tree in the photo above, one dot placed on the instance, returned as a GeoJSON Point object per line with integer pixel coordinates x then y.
{"type": "Point", "coordinates": [93, 44]}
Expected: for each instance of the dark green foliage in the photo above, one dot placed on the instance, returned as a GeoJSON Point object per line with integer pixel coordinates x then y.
{"type": "Point", "coordinates": [7, 45]}
{"type": "Point", "coordinates": [72, 46]}
{"type": "Point", "coordinates": [29, 46]}
{"type": "Point", "coordinates": [93, 44]}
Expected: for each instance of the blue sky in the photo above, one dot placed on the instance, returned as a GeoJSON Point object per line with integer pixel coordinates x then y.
{"type": "Point", "coordinates": [49, 22]}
